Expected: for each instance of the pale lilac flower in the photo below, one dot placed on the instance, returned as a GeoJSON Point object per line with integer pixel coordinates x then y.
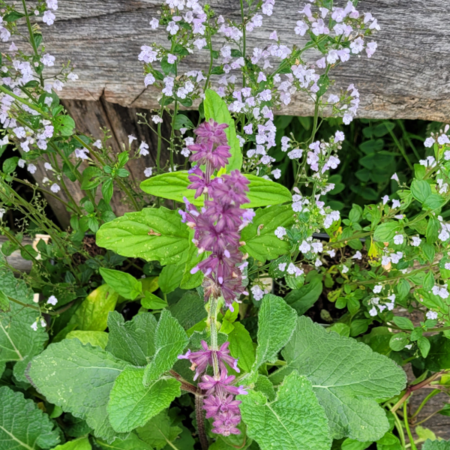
{"type": "Point", "coordinates": [200, 43]}
{"type": "Point", "coordinates": [147, 55]}
{"type": "Point", "coordinates": [282, 267]}
{"type": "Point", "coordinates": [276, 173]}
{"type": "Point", "coordinates": [21, 163]}
{"type": "Point", "coordinates": [373, 312]}
{"type": "Point", "coordinates": [31, 168]}
{"type": "Point", "coordinates": [55, 188]}
{"type": "Point", "coordinates": [171, 58]}
{"type": "Point", "coordinates": [398, 239]}
{"type": "Point", "coordinates": [395, 177]}
{"type": "Point", "coordinates": [34, 326]}
{"type": "Point", "coordinates": [131, 139]}
{"type": "Point", "coordinates": [377, 288]}
{"type": "Point", "coordinates": [148, 172]}
{"type": "Point", "coordinates": [345, 269]}
{"type": "Point", "coordinates": [47, 166]}
{"type": "Point", "coordinates": [280, 232]}
{"type": "Point", "coordinates": [305, 247]}
{"type": "Point", "coordinates": [274, 36]}
{"type": "Point", "coordinates": [432, 315]}
{"type": "Point", "coordinates": [301, 28]}
{"type": "Point", "coordinates": [81, 153]}
{"type": "Point", "coordinates": [339, 136]}
{"type": "Point", "coordinates": [143, 149]}
{"type": "Point", "coordinates": [52, 300]}
{"type": "Point", "coordinates": [149, 80]}
{"type": "Point", "coordinates": [154, 23]}
{"type": "Point", "coordinates": [157, 119]}
{"type": "Point", "coordinates": [357, 255]}
{"type": "Point", "coordinates": [447, 266]}
{"type": "Point", "coordinates": [48, 60]}
{"type": "Point", "coordinates": [429, 142]}
{"type": "Point", "coordinates": [2, 213]}
{"type": "Point", "coordinates": [72, 76]}
{"type": "Point", "coordinates": [396, 257]}
{"type": "Point", "coordinates": [416, 241]}
{"type": "Point", "coordinates": [357, 45]}
{"type": "Point", "coordinates": [443, 139]}
{"type": "Point", "coordinates": [396, 204]}
{"type": "Point", "coordinates": [172, 28]}
{"type": "Point", "coordinates": [52, 4]}
{"type": "Point", "coordinates": [48, 18]}
{"type": "Point", "coordinates": [333, 99]}
{"type": "Point", "coordinates": [295, 154]}
{"type": "Point", "coordinates": [371, 48]}
{"type": "Point", "coordinates": [257, 292]}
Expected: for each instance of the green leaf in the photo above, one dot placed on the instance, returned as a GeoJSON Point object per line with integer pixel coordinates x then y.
{"type": "Point", "coordinates": [304, 298]}
{"type": "Point", "coordinates": [64, 125]}
{"type": "Point", "coordinates": [151, 301]}
{"type": "Point", "coordinates": [170, 277]}
{"type": "Point", "coordinates": [351, 444]}
{"type": "Point", "coordinates": [404, 323]}
{"type": "Point", "coordinates": [436, 445]}
{"type": "Point", "coordinates": [420, 190]}
{"type": "Point", "coordinates": [78, 378]}
{"type": "Point", "coordinates": [386, 231]}
{"type": "Point", "coordinates": [259, 236]}
{"type": "Point", "coordinates": [183, 121]}
{"type": "Point", "coordinates": [19, 343]}
{"type": "Point", "coordinates": [276, 323]}
{"type": "Point", "coordinates": [10, 164]}
{"type": "Point", "coordinates": [433, 201]}
{"type": "Point", "coordinates": [91, 179]}
{"type": "Point", "coordinates": [189, 310]}
{"type": "Point", "coordinates": [123, 283]}
{"type": "Point", "coordinates": [22, 424]}
{"type": "Point", "coordinates": [98, 338]}
{"type": "Point", "coordinates": [77, 444]}
{"type": "Point", "coordinates": [92, 314]}
{"type": "Point", "coordinates": [170, 341]}
{"type": "Point", "coordinates": [174, 186]}
{"type": "Point", "coordinates": [13, 16]}
{"type": "Point", "coordinates": [399, 341]}
{"type": "Point", "coordinates": [217, 109]}
{"type": "Point", "coordinates": [4, 302]}
{"type": "Point", "coordinates": [424, 346]}
{"type": "Point", "coordinates": [241, 347]}
{"type": "Point", "coordinates": [151, 234]}
{"type": "Point", "coordinates": [132, 442]}
{"type": "Point", "coordinates": [159, 431]}
{"type": "Point", "coordinates": [108, 190]}
{"type": "Point", "coordinates": [295, 420]}
{"type": "Point", "coordinates": [439, 355]}
{"type": "Point", "coordinates": [132, 404]}
{"type": "Point", "coordinates": [347, 377]}
{"type": "Point", "coordinates": [132, 341]}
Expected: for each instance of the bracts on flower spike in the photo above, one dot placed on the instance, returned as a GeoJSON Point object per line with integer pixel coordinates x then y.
{"type": "Point", "coordinates": [217, 228]}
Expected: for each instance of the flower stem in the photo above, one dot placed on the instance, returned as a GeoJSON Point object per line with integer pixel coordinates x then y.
{"type": "Point", "coordinates": [405, 418]}
{"type": "Point", "coordinates": [200, 416]}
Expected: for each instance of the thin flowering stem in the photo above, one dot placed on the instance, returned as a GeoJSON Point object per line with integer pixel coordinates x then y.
{"type": "Point", "coordinates": [200, 416]}
{"type": "Point", "coordinates": [408, 431]}
{"type": "Point", "coordinates": [244, 40]}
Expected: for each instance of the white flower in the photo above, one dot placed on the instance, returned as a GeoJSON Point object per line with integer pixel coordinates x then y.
{"type": "Point", "coordinates": [72, 76]}
{"type": "Point", "coordinates": [398, 239]}
{"type": "Point", "coordinates": [154, 23]}
{"type": "Point", "coordinates": [34, 326]}
{"type": "Point", "coordinates": [2, 213]}
{"type": "Point", "coordinates": [257, 292]}
{"type": "Point", "coordinates": [385, 199]}
{"type": "Point", "coordinates": [377, 289]}
{"type": "Point", "coordinates": [373, 312]}
{"type": "Point", "coordinates": [296, 153]}
{"type": "Point", "coordinates": [157, 119]}
{"type": "Point", "coordinates": [345, 269]}
{"type": "Point", "coordinates": [385, 260]}
{"type": "Point", "coordinates": [31, 168]}
{"type": "Point", "coordinates": [149, 79]}
{"type": "Point", "coordinates": [305, 247]}
{"type": "Point", "coordinates": [282, 267]}
{"type": "Point", "coordinates": [280, 232]}
{"type": "Point", "coordinates": [52, 4]}
{"type": "Point", "coordinates": [357, 255]}
{"type": "Point", "coordinates": [97, 143]}
{"type": "Point", "coordinates": [416, 241]}
{"type": "Point", "coordinates": [432, 315]}
{"type": "Point", "coordinates": [55, 188]}
{"type": "Point", "coordinates": [185, 152]}
{"type": "Point", "coordinates": [48, 18]}
{"type": "Point", "coordinates": [317, 247]}
{"type": "Point", "coordinates": [443, 139]}
{"type": "Point", "coordinates": [447, 266]}
{"type": "Point", "coordinates": [52, 300]}
{"type": "Point", "coordinates": [143, 149]}
{"type": "Point", "coordinates": [43, 323]}
{"type": "Point", "coordinates": [131, 138]}
{"type": "Point", "coordinates": [392, 297]}
{"type": "Point", "coordinates": [395, 177]}
{"type": "Point", "coordinates": [21, 163]}
{"type": "Point", "coordinates": [148, 172]}
{"type": "Point", "coordinates": [332, 253]}
{"type": "Point", "coordinates": [81, 153]}
{"type": "Point", "coordinates": [443, 235]}
{"type": "Point", "coordinates": [276, 173]}
{"type": "Point", "coordinates": [318, 262]}
{"type": "Point", "coordinates": [429, 142]}
{"type": "Point", "coordinates": [396, 257]}
{"type": "Point", "coordinates": [48, 60]}
{"type": "Point", "coordinates": [396, 204]}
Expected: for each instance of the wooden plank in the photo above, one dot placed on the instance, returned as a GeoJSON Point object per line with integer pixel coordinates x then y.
{"type": "Point", "coordinates": [406, 78]}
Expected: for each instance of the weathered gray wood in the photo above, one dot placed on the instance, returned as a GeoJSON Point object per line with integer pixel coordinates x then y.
{"type": "Point", "coordinates": [407, 78]}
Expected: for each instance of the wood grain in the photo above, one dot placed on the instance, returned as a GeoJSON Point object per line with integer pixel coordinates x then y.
{"type": "Point", "coordinates": [407, 78]}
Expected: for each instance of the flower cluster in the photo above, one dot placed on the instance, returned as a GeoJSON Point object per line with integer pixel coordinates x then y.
{"type": "Point", "coordinates": [217, 226]}
{"type": "Point", "coordinates": [220, 403]}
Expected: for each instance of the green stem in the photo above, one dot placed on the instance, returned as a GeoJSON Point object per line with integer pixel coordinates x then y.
{"type": "Point", "coordinates": [405, 419]}
{"type": "Point", "coordinates": [244, 39]}
{"type": "Point", "coordinates": [425, 400]}
{"type": "Point", "coordinates": [406, 136]}
{"type": "Point", "coordinates": [400, 147]}
{"type": "Point", "coordinates": [401, 433]}
{"type": "Point", "coordinates": [172, 134]}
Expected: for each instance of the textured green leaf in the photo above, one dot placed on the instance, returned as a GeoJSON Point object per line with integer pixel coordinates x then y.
{"type": "Point", "coordinates": [123, 283]}
{"type": "Point", "coordinates": [351, 444]}
{"type": "Point", "coordinates": [22, 424]}
{"type": "Point", "coordinates": [276, 323]}
{"type": "Point", "coordinates": [132, 442]}
{"type": "Point", "coordinates": [189, 310]}
{"type": "Point", "coordinates": [170, 341]}
{"type": "Point", "coordinates": [4, 302]}
{"type": "Point", "coordinates": [264, 385]}
{"type": "Point", "coordinates": [77, 444]}
{"type": "Point", "coordinates": [386, 231]}
{"type": "Point", "coordinates": [217, 109]}
{"type": "Point", "coordinates": [294, 421]}
{"type": "Point", "coordinates": [259, 237]}
{"type": "Point", "coordinates": [132, 341]}
{"type": "Point", "coordinates": [99, 338]}
{"type": "Point", "coordinates": [151, 234]}
{"type": "Point", "coordinates": [18, 341]}
{"type": "Point", "coordinates": [189, 280]}
{"type": "Point", "coordinates": [132, 404]}
{"type": "Point", "coordinates": [347, 377]}
{"type": "Point", "coordinates": [304, 298]}
{"type": "Point", "coordinates": [241, 347]}
{"type": "Point", "coordinates": [152, 301]}
{"type": "Point", "coordinates": [170, 277]}
{"type": "Point", "coordinates": [158, 432]}
{"type": "Point", "coordinates": [79, 379]}
{"type": "Point", "coordinates": [92, 314]}
{"type": "Point", "coordinates": [420, 190]}
{"type": "Point", "coordinates": [438, 357]}
{"type": "Point", "coordinates": [436, 445]}
{"type": "Point", "coordinates": [174, 186]}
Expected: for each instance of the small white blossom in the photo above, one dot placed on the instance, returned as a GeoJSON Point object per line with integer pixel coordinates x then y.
{"type": "Point", "coordinates": [332, 253]}
{"type": "Point", "coordinates": [357, 255]}
{"type": "Point", "coordinates": [447, 266]}
{"type": "Point", "coordinates": [148, 172]}
{"type": "Point", "coordinates": [282, 267]}
{"type": "Point", "coordinates": [154, 23]}
{"type": "Point", "coordinates": [131, 139]}
{"type": "Point", "coordinates": [280, 232]}
{"type": "Point", "coordinates": [398, 239]}
{"type": "Point", "coordinates": [395, 177]}
{"type": "Point", "coordinates": [385, 199]}
{"type": "Point", "coordinates": [34, 326]}
{"type": "Point", "coordinates": [81, 153]}
{"type": "Point", "coordinates": [416, 241]}
{"type": "Point", "coordinates": [396, 257]}
{"type": "Point", "coordinates": [257, 292]}
{"type": "Point", "coordinates": [432, 315]}
{"type": "Point", "coordinates": [345, 269]}
{"type": "Point", "coordinates": [31, 168]}
{"type": "Point", "coordinates": [43, 323]}
{"type": "Point", "coordinates": [143, 149]}
{"type": "Point", "coordinates": [157, 119]}
{"type": "Point", "coordinates": [305, 247]}
{"type": "Point", "coordinates": [55, 188]}
{"type": "Point", "coordinates": [2, 213]}
{"type": "Point", "coordinates": [429, 142]}
{"type": "Point", "coordinates": [52, 300]}
{"type": "Point", "coordinates": [378, 288]}
{"type": "Point", "coordinates": [373, 312]}
{"type": "Point", "coordinates": [276, 173]}
{"type": "Point", "coordinates": [48, 18]}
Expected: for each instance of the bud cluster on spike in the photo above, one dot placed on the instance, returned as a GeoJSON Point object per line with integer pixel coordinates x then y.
{"type": "Point", "coordinates": [220, 403]}
{"type": "Point", "coordinates": [217, 226]}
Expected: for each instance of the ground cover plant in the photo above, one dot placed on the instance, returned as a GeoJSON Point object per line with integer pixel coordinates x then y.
{"type": "Point", "coordinates": [192, 321]}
